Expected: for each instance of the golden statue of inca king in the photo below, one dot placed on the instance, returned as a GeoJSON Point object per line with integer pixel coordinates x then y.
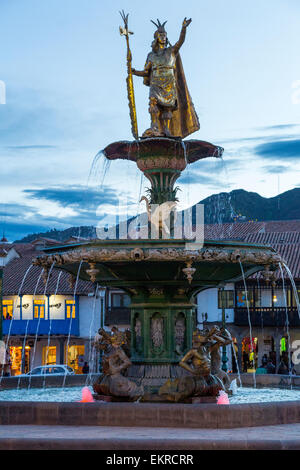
{"type": "Point", "coordinates": [170, 105]}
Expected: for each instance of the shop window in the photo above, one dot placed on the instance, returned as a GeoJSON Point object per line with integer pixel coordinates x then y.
{"type": "Point", "coordinates": [253, 297]}
{"type": "Point", "coordinates": [225, 298]}
{"type": "Point", "coordinates": [75, 357]}
{"type": "Point", "coordinates": [8, 307]}
{"type": "Point", "coordinates": [295, 300]}
{"type": "Point", "coordinates": [49, 355]}
{"type": "Point", "coordinates": [249, 354]}
{"type": "Point", "coordinates": [16, 359]}
{"type": "Point", "coordinates": [289, 298]}
{"type": "Point", "coordinates": [39, 309]}
{"type": "Point", "coordinates": [120, 300]}
{"type": "Point", "coordinates": [70, 309]}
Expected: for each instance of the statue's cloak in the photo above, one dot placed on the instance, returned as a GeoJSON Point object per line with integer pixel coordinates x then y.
{"type": "Point", "coordinates": [184, 119]}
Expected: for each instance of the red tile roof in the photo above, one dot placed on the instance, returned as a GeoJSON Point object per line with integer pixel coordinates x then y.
{"type": "Point", "coordinates": [282, 235]}
{"type": "Point", "coordinates": [14, 273]}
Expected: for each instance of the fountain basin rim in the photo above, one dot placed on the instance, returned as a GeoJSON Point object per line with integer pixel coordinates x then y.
{"type": "Point", "coordinates": [192, 150]}
{"type": "Point", "coordinates": [164, 242]}
{"type": "Point", "coordinates": [150, 414]}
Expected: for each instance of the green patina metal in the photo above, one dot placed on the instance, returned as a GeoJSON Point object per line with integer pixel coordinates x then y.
{"type": "Point", "coordinates": [162, 185]}
{"type": "Point", "coordinates": [162, 298]}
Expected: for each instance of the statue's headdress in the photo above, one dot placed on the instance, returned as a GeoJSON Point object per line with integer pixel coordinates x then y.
{"type": "Point", "coordinates": [160, 27]}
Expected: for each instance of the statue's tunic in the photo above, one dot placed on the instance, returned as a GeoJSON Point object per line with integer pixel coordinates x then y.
{"type": "Point", "coordinates": [162, 77]}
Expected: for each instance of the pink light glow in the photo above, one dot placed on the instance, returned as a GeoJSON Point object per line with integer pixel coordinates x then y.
{"type": "Point", "coordinates": [223, 398]}
{"type": "Point", "coordinates": [87, 397]}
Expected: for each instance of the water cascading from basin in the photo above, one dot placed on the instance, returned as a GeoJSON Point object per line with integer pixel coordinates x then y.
{"type": "Point", "coordinates": [27, 323]}
{"type": "Point", "coordinates": [287, 324]}
{"type": "Point", "coordinates": [50, 324]}
{"type": "Point", "coordinates": [39, 320]}
{"type": "Point", "coordinates": [13, 315]}
{"type": "Point", "coordinates": [91, 347]}
{"type": "Point", "coordinates": [237, 365]}
{"type": "Point", "coordinates": [249, 317]}
{"type": "Point", "coordinates": [71, 318]}
{"type": "Point", "coordinates": [294, 287]}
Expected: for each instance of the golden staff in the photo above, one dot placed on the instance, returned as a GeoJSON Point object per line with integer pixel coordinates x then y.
{"type": "Point", "coordinates": [130, 90]}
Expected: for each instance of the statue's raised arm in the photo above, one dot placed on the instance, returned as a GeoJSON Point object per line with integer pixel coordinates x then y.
{"type": "Point", "coordinates": [181, 39]}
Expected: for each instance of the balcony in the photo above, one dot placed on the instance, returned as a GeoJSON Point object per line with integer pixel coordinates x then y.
{"type": "Point", "coordinates": [42, 327]}
{"type": "Point", "coordinates": [117, 316]}
{"type": "Point", "coordinates": [266, 316]}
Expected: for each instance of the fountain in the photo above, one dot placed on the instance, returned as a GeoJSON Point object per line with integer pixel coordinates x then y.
{"type": "Point", "coordinates": [162, 273]}
{"type": "Point", "coordinates": [164, 357]}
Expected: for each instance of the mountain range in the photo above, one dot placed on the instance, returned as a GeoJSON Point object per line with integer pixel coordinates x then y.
{"type": "Point", "coordinates": [236, 206]}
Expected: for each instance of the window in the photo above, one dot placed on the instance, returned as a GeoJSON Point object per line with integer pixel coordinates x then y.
{"type": "Point", "coordinates": [257, 298]}
{"type": "Point", "coordinates": [58, 370]}
{"type": "Point", "coordinates": [225, 298]}
{"type": "Point", "coordinates": [49, 355]}
{"type": "Point", "coordinates": [36, 371]}
{"type": "Point", "coordinates": [8, 306]}
{"type": "Point", "coordinates": [120, 300]}
{"type": "Point", "coordinates": [54, 370]}
{"type": "Point", "coordinates": [289, 297]}
{"type": "Point", "coordinates": [39, 309]}
{"type": "Point", "coordinates": [74, 357]}
{"type": "Point", "coordinates": [70, 308]}
{"type": "Point", "coordinates": [253, 296]}
{"type": "Point", "coordinates": [298, 297]}
{"type": "Point", "coordinates": [16, 359]}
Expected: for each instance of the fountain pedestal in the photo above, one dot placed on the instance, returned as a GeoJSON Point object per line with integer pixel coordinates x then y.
{"type": "Point", "coordinates": [161, 327]}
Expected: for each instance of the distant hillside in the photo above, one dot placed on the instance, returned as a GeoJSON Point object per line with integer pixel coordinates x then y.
{"type": "Point", "coordinates": [237, 206]}
{"type": "Point", "coordinates": [241, 205]}
{"type": "Point", "coordinates": [62, 235]}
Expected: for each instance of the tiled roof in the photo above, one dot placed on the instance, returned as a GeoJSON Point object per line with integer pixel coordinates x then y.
{"type": "Point", "coordinates": [271, 238]}
{"type": "Point", "coordinates": [14, 273]}
{"type": "Point", "coordinates": [282, 235]}
{"type": "Point", "coordinates": [234, 231]}
{"type": "Point", "coordinates": [245, 230]}
{"type": "Point", "coordinates": [291, 256]}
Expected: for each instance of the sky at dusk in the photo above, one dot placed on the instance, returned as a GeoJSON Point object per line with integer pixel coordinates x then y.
{"type": "Point", "coordinates": [63, 63]}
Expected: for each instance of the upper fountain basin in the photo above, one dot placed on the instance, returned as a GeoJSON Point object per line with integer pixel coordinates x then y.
{"type": "Point", "coordinates": [162, 152]}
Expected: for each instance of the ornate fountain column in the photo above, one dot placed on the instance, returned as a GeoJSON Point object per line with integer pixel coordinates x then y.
{"type": "Point", "coordinates": [161, 327]}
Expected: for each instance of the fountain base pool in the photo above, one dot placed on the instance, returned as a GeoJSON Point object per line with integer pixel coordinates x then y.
{"type": "Point", "coordinates": [249, 422]}
{"type": "Point", "coordinates": [245, 395]}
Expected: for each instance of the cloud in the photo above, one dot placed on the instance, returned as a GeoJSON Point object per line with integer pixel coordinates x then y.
{"type": "Point", "coordinates": [288, 150]}
{"type": "Point", "coordinates": [276, 169]}
{"type": "Point", "coordinates": [278, 127]}
{"type": "Point", "coordinates": [31, 147]}
{"type": "Point", "coordinates": [200, 178]}
{"type": "Point", "coordinates": [77, 196]}
{"type": "Point", "coordinates": [14, 210]}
